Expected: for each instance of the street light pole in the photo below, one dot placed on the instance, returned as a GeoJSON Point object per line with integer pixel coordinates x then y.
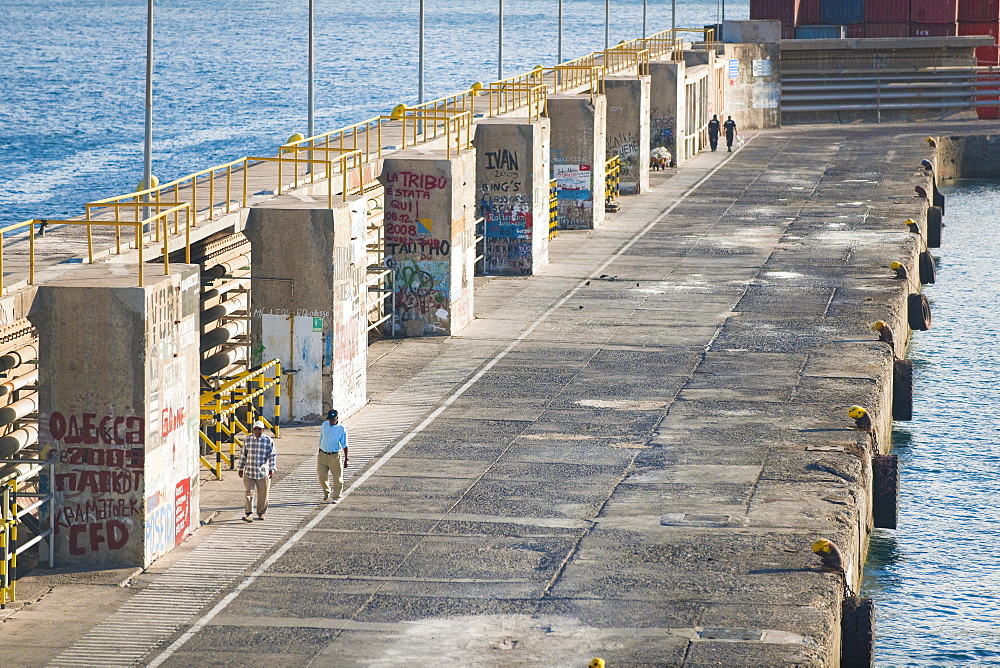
{"type": "Point", "coordinates": [607, 24]}
{"type": "Point", "coordinates": [559, 56]}
{"type": "Point", "coordinates": [147, 172]}
{"type": "Point", "coordinates": [420, 57]}
{"type": "Point", "coordinates": [500, 41]}
{"type": "Point", "coordinates": [311, 112]}
{"type": "Point", "coordinates": [644, 2]}
{"type": "Point", "coordinates": [310, 123]}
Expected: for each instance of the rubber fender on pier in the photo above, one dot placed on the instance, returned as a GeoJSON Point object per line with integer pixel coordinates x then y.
{"type": "Point", "coordinates": [17, 440]}
{"type": "Point", "coordinates": [918, 311]}
{"type": "Point", "coordinates": [14, 384]}
{"type": "Point", "coordinates": [935, 221]}
{"type": "Point", "coordinates": [885, 491]}
{"type": "Point", "coordinates": [902, 390]}
{"type": "Point", "coordinates": [857, 632]}
{"type": "Point", "coordinates": [937, 199]}
{"type": "Point", "coordinates": [18, 409]}
{"type": "Point", "coordinates": [18, 357]}
{"type": "Point", "coordinates": [928, 270]}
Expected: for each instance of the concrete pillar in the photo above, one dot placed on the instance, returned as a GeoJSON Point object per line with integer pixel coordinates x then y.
{"type": "Point", "coordinates": [753, 96]}
{"type": "Point", "coordinates": [628, 130]}
{"type": "Point", "coordinates": [666, 105]}
{"type": "Point", "coordinates": [512, 186]}
{"type": "Point", "coordinates": [309, 302]}
{"type": "Point", "coordinates": [430, 202]}
{"type": "Point", "coordinates": [579, 126]}
{"type": "Point", "coordinates": [118, 409]}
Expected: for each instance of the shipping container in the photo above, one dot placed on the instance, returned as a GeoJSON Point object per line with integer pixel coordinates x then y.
{"type": "Point", "coordinates": [988, 55]}
{"type": "Point", "coordinates": [785, 11]}
{"type": "Point", "coordinates": [991, 28]}
{"type": "Point", "coordinates": [855, 30]}
{"type": "Point", "coordinates": [888, 11]}
{"type": "Point", "coordinates": [887, 30]}
{"type": "Point", "coordinates": [933, 11]}
{"type": "Point", "coordinates": [990, 86]}
{"type": "Point", "coordinates": [787, 32]}
{"type": "Point", "coordinates": [820, 32]}
{"type": "Point", "coordinates": [933, 29]}
{"type": "Point", "coordinates": [808, 12]}
{"type": "Point", "coordinates": [842, 11]}
{"type": "Point", "coordinates": [978, 10]}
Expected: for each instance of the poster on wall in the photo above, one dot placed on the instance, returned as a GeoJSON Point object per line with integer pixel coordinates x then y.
{"type": "Point", "coordinates": [573, 181]}
{"type": "Point", "coordinates": [734, 71]}
{"type": "Point", "coordinates": [762, 68]}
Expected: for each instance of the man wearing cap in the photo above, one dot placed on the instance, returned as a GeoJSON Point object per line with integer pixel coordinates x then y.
{"type": "Point", "coordinates": [257, 467]}
{"type": "Point", "coordinates": [332, 440]}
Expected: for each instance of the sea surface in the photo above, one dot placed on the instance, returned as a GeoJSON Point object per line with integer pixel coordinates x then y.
{"type": "Point", "coordinates": [230, 77]}
{"type": "Point", "coordinates": [936, 579]}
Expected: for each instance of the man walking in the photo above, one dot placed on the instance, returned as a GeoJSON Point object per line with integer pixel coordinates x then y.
{"type": "Point", "coordinates": [257, 467]}
{"type": "Point", "coordinates": [332, 440]}
{"type": "Point", "coordinates": [730, 128]}
{"type": "Point", "coordinates": [713, 131]}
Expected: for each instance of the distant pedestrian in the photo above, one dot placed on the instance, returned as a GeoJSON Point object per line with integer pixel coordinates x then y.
{"type": "Point", "coordinates": [332, 440]}
{"type": "Point", "coordinates": [257, 467]}
{"type": "Point", "coordinates": [713, 131]}
{"type": "Point", "coordinates": [730, 128]}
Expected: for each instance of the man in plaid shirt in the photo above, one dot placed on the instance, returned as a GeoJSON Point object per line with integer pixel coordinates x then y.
{"type": "Point", "coordinates": [257, 467]}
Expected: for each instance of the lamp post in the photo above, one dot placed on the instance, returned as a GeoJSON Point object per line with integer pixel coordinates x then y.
{"type": "Point", "coordinates": [420, 57]}
{"type": "Point", "coordinates": [607, 24]}
{"type": "Point", "coordinates": [311, 99]}
{"type": "Point", "coordinates": [500, 41]}
{"type": "Point", "coordinates": [559, 56]}
{"type": "Point", "coordinates": [644, 2]}
{"type": "Point", "coordinates": [147, 171]}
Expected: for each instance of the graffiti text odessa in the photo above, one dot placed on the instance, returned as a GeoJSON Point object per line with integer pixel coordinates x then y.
{"type": "Point", "coordinates": [91, 429]}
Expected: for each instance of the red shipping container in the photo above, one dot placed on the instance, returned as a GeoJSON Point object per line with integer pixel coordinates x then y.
{"type": "Point", "coordinates": [988, 113]}
{"type": "Point", "coordinates": [887, 30]}
{"type": "Point", "coordinates": [933, 11]}
{"type": "Point", "coordinates": [808, 12]}
{"type": "Point", "coordinates": [887, 11]}
{"type": "Point", "coordinates": [978, 10]}
{"type": "Point", "coordinates": [933, 29]}
{"type": "Point", "coordinates": [991, 88]}
{"type": "Point", "coordinates": [988, 55]}
{"type": "Point", "coordinates": [787, 32]}
{"type": "Point", "coordinates": [786, 11]}
{"type": "Point", "coordinates": [992, 29]}
{"type": "Point", "coordinates": [856, 30]}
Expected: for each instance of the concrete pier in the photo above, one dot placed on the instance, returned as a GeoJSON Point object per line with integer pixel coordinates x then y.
{"type": "Point", "coordinates": [430, 239]}
{"type": "Point", "coordinates": [512, 184]}
{"type": "Point", "coordinates": [579, 132]}
{"type": "Point", "coordinates": [628, 130]}
{"type": "Point", "coordinates": [666, 101]}
{"type": "Point", "coordinates": [118, 410]}
{"type": "Point", "coordinates": [308, 302]}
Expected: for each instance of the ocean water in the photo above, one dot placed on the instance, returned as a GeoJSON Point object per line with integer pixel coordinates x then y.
{"type": "Point", "coordinates": [230, 77]}
{"type": "Point", "coordinates": [936, 579]}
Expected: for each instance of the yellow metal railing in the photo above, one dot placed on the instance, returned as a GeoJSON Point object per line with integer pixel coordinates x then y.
{"type": "Point", "coordinates": [612, 178]}
{"type": "Point", "coordinates": [139, 227]}
{"type": "Point", "coordinates": [621, 59]}
{"type": "Point", "coordinates": [221, 410]}
{"type": "Point", "coordinates": [553, 207]}
{"type": "Point", "coordinates": [424, 125]}
{"type": "Point", "coordinates": [509, 97]}
{"type": "Point", "coordinates": [8, 540]}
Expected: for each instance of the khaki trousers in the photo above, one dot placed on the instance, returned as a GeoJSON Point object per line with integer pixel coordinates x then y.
{"type": "Point", "coordinates": [330, 464]}
{"type": "Point", "coordinates": [262, 486]}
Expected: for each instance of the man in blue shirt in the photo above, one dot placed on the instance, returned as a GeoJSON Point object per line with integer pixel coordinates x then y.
{"type": "Point", "coordinates": [332, 440]}
{"type": "Point", "coordinates": [257, 467]}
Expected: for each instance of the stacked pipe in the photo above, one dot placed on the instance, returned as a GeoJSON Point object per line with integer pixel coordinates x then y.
{"type": "Point", "coordinates": [18, 424]}
{"type": "Point", "coordinates": [225, 304]}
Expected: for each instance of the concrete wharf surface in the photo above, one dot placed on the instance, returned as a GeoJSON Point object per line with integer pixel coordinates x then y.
{"type": "Point", "coordinates": [610, 461]}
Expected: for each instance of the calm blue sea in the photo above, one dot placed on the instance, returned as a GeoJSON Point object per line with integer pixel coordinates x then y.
{"type": "Point", "coordinates": [936, 579]}
{"type": "Point", "coordinates": [230, 77]}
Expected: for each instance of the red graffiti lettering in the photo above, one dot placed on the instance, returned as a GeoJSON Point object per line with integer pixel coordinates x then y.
{"type": "Point", "coordinates": [171, 420]}
{"type": "Point", "coordinates": [182, 509]}
{"type": "Point", "coordinates": [89, 430]}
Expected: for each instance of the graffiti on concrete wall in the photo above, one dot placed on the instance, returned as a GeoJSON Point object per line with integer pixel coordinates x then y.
{"type": "Point", "coordinates": [419, 252]}
{"type": "Point", "coordinates": [626, 146]}
{"type": "Point", "coordinates": [662, 131]}
{"type": "Point", "coordinates": [505, 206]}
